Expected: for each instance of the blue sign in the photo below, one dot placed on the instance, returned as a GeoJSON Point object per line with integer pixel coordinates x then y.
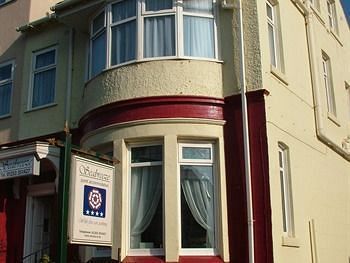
{"type": "Point", "coordinates": [94, 202]}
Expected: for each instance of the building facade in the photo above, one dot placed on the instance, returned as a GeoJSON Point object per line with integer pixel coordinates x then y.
{"type": "Point", "coordinates": [230, 121]}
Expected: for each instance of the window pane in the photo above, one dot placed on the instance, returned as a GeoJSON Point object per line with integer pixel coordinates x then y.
{"type": "Point", "coordinates": [123, 42]}
{"type": "Point", "coordinates": [147, 154]}
{"type": "Point", "coordinates": [5, 72]}
{"type": "Point", "coordinates": [156, 5]}
{"type": "Point", "coordinates": [44, 88]}
{"type": "Point", "coordinates": [269, 12]}
{"type": "Point", "coordinates": [196, 153]}
{"type": "Point", "coordinates": [98, 58]}
{"type": "Point", "coordinates": [198, 6]}
{"type": "Point", "coordinates": [272, 45]}
{"type": "Point", "coordinates": [197, 207]}
{"type": "Point", "coordinates": [199, 36]}
{"type": "Point", "coordinates": [146, 209]}
{"type": "Point", "coordinates": [123, 10]}
{"type": "Point", "coordinates": [159, 36]}
{"type": "Point", "coordinates": [5, 99]}
{"type": "Point", "coordinates": [45, 59]}
{"type": "Point", "coordinates": [98, 23]}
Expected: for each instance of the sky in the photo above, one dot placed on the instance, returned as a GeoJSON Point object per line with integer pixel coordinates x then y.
{"type": "Point", "coordinates": [346, 5]}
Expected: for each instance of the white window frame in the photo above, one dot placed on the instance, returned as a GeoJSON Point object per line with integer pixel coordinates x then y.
{"type": "Point", "coordinates": [145, 251]}
{"type": "Point", "coordinates": [332, 15]}
{"type": "Point", "coordinates": [274, 23]}
{"type": "Point", "coordinates": [286, 190]}
{"type": "Point", "coordinates": [328, 84]}
{"type": "Point", "coordinates": [8, 81]}
{"type": "Point", "coordinates": [40, 70]}
{"type": "Point", "coordinates": [199, 162]}
{"type": "Point", "coordinates": [141, 15]}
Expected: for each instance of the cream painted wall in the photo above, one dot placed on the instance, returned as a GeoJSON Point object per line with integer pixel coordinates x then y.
{"type": "Point", "coordinates": [154, 78]}
{"type": "Point", "coordinates": [167, 132]}
{"type": "Point", "coordinates": [320, 177]}
{"type": "Point", "coordinates": [49, 119]}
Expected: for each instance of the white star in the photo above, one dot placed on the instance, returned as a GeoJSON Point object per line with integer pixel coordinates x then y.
{"type": "Point", "coordinates": [92, 213]}
{"type": "Point", "coordinates": [101, 214]}
{"type": "Point", "coordinates": [87, 212]}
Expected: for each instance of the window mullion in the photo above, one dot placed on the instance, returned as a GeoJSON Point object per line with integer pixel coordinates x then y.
{"type": "Point", "coordinates": [140, 29]}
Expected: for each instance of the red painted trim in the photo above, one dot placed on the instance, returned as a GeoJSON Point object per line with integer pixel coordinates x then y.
{"type": "Point", "coordinates": [236, 194]}
{"type": "Point", "coordinates": [152, 108]}
{"type": "Point", "coordinates": [201, 259]}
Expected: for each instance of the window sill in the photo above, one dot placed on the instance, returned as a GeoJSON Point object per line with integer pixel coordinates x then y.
{"type": "Point", "coordinates": [333, 118]}
{"type": "Point", "coordinates": [6, 116]}
{"type": "Point", "coordinates": [290, 242]}
{"type": "Point", "coordinates": [279, 75]}
{"type": "Point", "coordinates": [41, 107]}
{"type": "Point", "coordinates": [336, 36]}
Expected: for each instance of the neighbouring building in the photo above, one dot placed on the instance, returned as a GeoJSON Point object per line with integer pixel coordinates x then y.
{"type": "Point", "coordinates": [230, 120]}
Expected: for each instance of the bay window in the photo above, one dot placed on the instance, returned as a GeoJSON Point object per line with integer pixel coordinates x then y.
{"type": "Point", "coordinates": [146, 206]}
{"type": "Point", "coordinates": [137, 30]}
{"type": "Point", "coordinates": [197, 197]}
{"type": "Point", "coordinates": [6, 83]}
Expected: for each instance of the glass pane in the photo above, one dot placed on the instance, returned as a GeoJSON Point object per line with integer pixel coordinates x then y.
{"type": "Point", "coordinates": [156, 5]}
{"type": "Point", "coordinates": [146, 208]}
{"type": "Point", "coordinates": [44, 88]}
{"type": "Point", "coordinates": [198, 6]}
{"type": "Point", "coordinates": [159, 38]}
{"type": "Point", "coordinates": [147, 154]}
{"type": "Point", "coordinates": [196, 153]}
{"type": "Point", "coordinates": [45, 59]}
{"type": "Point", "coordinates": [283, 196]}
{"type": "Point", "coordinates": [98, 23]}
{"type": "Point", "coordinates": [5, 72]}
{"type": "Point", "coordinates": [123, 10]}
{"type": "Point", "coordinates": [272, 45]}
{"type": "Point", "coordinates": [123, 42]}
{"type": "Point", "coordinates": [269, 12]}
{"type": "Point", "coordinates": [199, 36]}
{"type": "Point", "coordinates": [197, 207]}
{"type": "Point", "coordinates": [5, 99]}
{"type": "Point", "coordinates": [98, 56]}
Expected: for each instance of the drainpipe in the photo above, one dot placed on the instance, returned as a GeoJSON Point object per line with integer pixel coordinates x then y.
{"type": "Point", "coordinates": [247, 161]}
{"type": "Point", "coordinates": [315, 82]}
{"type": "Point", "coordinates": [69, 77]}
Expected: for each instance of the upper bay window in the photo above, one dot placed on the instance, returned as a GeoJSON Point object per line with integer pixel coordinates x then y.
{"type": "Point", "coordinates": [136, 30]}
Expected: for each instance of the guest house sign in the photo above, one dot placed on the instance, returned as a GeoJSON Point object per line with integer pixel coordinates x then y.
{"type": "Point", "coordinates": [91, 202]}
{"type": "Point", "coordinates": [19, 166]}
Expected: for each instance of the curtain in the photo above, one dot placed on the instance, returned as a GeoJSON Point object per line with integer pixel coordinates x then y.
{"type": "Point", "coordinates": [44, 87]}
{"type": "Point", "coordinates": [45, 59]}
{"type": "Point", "coordinates": [159, 36]}
{"type": "Point", "coordinates": [146, 190]}
{"type": "Point", "coordinates": [198, 6]}
{"type": "Point", "coordinates": [5, 98]}
{"type": "Point", "coordinates": [123, 10]}
{"type": "Point", "coordinates": [98, 58]}
{"type": "Point", "coordinates": [199, 36]}
{"type": "Point", "coordinates": [156, 5]}
{"type": "Point", "coordinates": [123, 42]}
{"type": "Point", "coordinates": [197, 186]}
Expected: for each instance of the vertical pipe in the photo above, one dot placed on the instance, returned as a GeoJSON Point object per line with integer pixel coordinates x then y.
{"type": "Point", "coordinates": [247, 161]}
{"type": "Point", "coordinates": [65, 160]}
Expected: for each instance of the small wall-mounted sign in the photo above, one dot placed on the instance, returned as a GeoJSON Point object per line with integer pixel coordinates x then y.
{"type": "Point", "coordinates": [91, 202]}
{"type": "Point", "coordinates": [19, 166]}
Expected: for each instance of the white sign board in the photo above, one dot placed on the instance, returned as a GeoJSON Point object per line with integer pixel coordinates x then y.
{"type": "Point", "coordinates": [91, 202]}
{"type": "Point", "coordinates": [20, 166]}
